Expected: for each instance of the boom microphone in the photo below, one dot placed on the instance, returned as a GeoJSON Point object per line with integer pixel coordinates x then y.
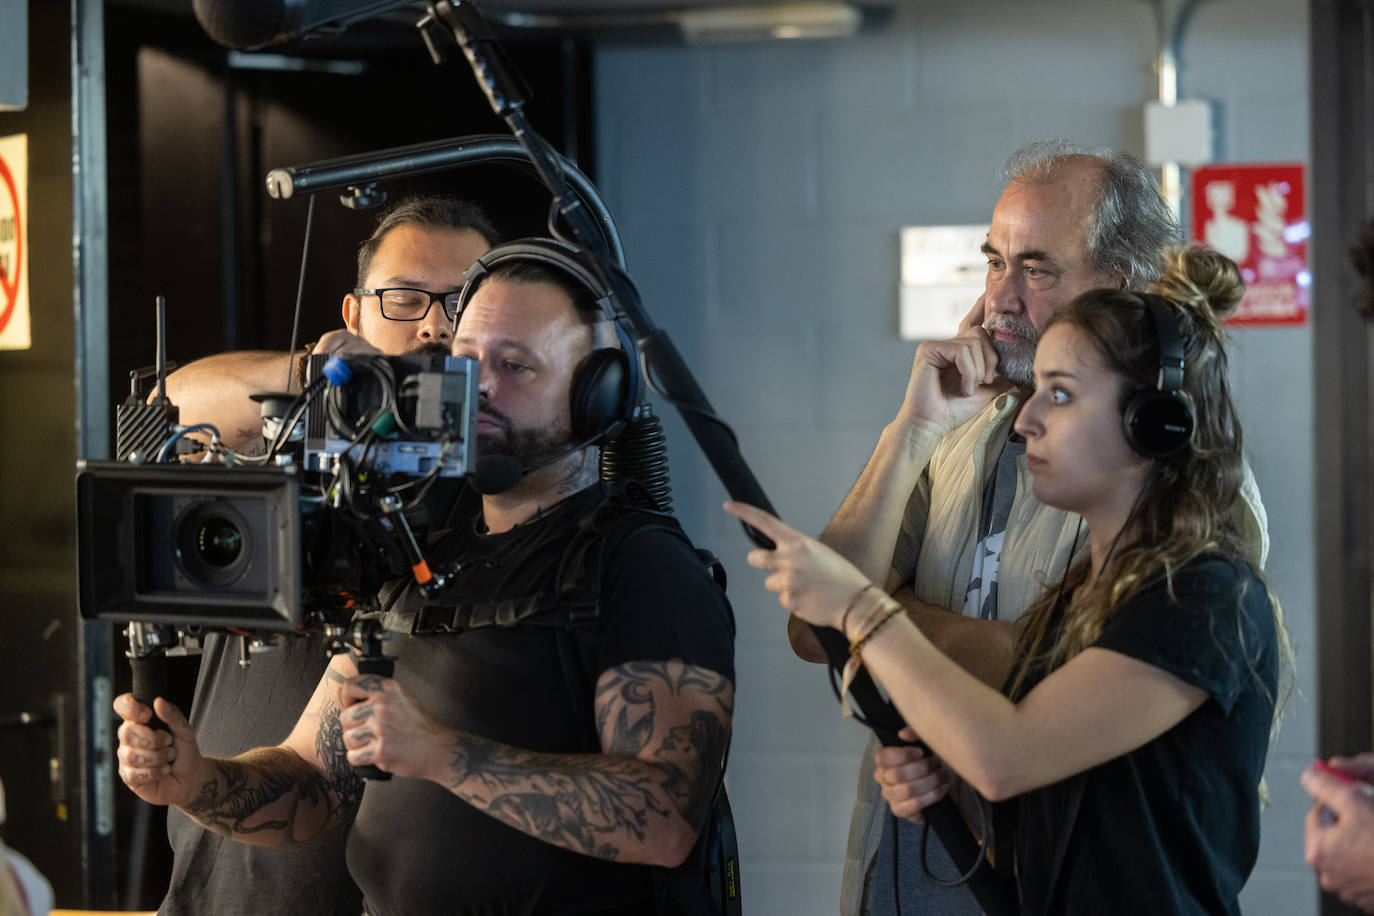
{"type": "Point", "coordinates": [248, 25]}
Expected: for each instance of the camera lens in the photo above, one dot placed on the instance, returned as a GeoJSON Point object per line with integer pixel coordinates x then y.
{"type": "Point", "coordinates": [219, 542]}
{"type": "Point", "coordinates": [214, 543]}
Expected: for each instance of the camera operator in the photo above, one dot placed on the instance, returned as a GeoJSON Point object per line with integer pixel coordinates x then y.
{"type": "Point", "coordinates": [422, 242]}
{"type": "Point", "coordinates": [518, 789]}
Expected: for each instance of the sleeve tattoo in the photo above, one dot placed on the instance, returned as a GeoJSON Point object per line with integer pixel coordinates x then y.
{"type": "Point", "coordinates": [269, 789]}
{"type": "Point", "coordinates": [589, 802]}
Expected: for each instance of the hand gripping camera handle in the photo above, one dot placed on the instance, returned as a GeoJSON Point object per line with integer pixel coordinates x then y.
{"type": "Point", "coordinates": [386, 667]}
{"type": "Point", "coordinates": [150, 680]}
{"type": "Point", "coordinates": [148, 660]}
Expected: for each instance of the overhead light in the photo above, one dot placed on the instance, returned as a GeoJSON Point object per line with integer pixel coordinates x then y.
{"type": "Point", "coordinates": [767, 21]}
{"type": "Point", "coordinates": [758, 22]}
{"type": "Point", "coordinates": [242, 60]}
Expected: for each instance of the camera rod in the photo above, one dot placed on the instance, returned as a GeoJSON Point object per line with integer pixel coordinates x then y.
{"type": "Point", "coordinates": [364, 169]}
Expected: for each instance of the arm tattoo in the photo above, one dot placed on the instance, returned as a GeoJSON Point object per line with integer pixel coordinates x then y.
{"type": "Point", "coordinates": [690, 755]}
{"type": "Point", "coordinates": [569, 800]}
{"type": "Point", "coordinates": [270, 788]}
{"type": "Point", "coordinates": [582, 802]}
{"type": "Point", "coordinates": [342, 780]}
{"type": "Point", "coordinates": [635, 700]}
{"type": "Point", "coordinates": [690, 758]}
{"type": "Point", "coordinates": [256, 447]}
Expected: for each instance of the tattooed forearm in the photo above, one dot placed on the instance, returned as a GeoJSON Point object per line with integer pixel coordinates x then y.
{"type": "Point", "coordinates": [260, 796]}
{"type": "Point", "coordinates": [256, 447]}
{"type": "Point", "coordinates": [663, 727]}
{"type": "Point", "coordinates": [576, 801]}
{"type": "Point", "coordinates": [271, 796]}
{"type": "Point", "coordinates": [341, 778]}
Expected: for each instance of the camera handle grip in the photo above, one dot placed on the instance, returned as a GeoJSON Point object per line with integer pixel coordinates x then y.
{"type": "Point", "coordinates": [386, 667]}
{"type": "Point", "coordinates": [150, 680]}
{"type": "Point", "coordinates": [147, 655]}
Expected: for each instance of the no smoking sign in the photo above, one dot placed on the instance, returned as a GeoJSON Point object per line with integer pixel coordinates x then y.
{"type": "Point", "coordinates": [14, 266]}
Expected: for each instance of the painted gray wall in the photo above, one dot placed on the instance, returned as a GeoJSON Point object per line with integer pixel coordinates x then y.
{"type": "Point", "coordinates": [760, 188]}
{"type": "Point", "coordinates": [14, 55]}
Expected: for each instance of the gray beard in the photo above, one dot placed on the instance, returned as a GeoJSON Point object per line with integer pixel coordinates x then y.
{"type": "Point", "coordinates": [1016, 361]}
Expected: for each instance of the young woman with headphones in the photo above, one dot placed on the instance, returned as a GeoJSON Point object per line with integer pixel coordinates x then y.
{"type": "Point", "coordinates": [1127, 748]}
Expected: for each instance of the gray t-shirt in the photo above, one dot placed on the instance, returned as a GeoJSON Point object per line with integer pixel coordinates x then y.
{"type": "Point", "coordinates": [981, 598]}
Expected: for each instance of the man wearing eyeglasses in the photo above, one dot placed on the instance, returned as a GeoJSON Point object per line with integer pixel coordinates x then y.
{"type": "Point", "coordinates": [410, 272]}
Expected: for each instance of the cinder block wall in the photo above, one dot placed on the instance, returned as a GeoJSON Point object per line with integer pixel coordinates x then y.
{"type": "Point", "coordinates": [760, 188]}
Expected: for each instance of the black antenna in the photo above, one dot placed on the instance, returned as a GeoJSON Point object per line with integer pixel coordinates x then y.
{"type": "Point", "coordinates": [160, 358]}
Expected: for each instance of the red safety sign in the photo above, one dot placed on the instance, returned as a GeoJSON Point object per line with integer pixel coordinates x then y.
{"type": "Point", "coordinates": [1256, 215]}
{"type": "Point", "coordinates": [11, 244]}
{"type": "Point", "coordinates": [14, 240]}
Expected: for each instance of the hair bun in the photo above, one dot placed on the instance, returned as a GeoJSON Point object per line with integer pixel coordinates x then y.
{"type": "Point", "coordinates": [1203, 281]}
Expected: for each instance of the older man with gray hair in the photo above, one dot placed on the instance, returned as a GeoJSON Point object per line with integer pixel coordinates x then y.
{"type": "Point", "coordinates": [943, 511]}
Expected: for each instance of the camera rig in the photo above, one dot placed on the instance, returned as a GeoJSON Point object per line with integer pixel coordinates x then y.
{"type": "Point", "coordinates": [288, 541]}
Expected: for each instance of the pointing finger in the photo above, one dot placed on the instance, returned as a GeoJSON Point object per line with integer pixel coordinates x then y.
{"type": "Point", "coordinates": [757, 518]}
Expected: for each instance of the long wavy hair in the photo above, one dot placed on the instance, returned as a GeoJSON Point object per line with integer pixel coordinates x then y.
{"type": "Point", "coordinates": [1190, 503]}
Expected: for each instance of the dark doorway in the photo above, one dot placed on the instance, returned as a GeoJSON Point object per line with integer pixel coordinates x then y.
{"type": "Point", "coordinates": [194, 128]}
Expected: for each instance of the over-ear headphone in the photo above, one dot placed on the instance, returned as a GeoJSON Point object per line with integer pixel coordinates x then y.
{"type": "Point", "coordinates": [1158, 421]}
{"type": "Point", "coordinates": [607, 386]}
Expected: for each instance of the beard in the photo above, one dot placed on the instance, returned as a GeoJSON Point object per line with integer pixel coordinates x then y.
{"type": "Point", "coordinates": [528, 446]}
{"type": "Point", "coordinates": [1015, 358]}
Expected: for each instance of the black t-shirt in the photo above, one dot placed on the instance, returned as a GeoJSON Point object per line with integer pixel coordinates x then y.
{"type": "Point", "coordinates": [1173, 826]}
{"type": "Point", "coordinates": [415, 848]}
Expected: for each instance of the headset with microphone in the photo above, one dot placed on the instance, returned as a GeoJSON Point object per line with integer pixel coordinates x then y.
{"type": "Point", "coordinates": [608, 384]}
{"type": "Point", "coordinates": [1158, 422]}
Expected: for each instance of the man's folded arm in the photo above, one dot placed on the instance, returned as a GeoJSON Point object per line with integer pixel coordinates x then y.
{"type": "Point", "coordinates": [663, 729]}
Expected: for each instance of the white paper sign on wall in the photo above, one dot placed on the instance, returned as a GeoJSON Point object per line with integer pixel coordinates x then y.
{"type": "Point", "coordinates": [942, 276]}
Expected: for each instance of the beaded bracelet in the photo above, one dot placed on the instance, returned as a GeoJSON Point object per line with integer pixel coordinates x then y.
{"type": "Point", "coordinates": [866, 621]}
{"type": "Point", "coordinates": [857, 648]}
{"type": "Point", "coordinates": [866, 632]}
{"type": "Point", "coordinates": [844, 618]}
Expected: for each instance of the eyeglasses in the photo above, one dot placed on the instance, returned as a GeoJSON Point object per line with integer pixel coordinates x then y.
{"type": "Point", "coordinates": [402, 303]}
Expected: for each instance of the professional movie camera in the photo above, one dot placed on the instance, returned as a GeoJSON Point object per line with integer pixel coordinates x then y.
{"type": "Point", "coordinates": [284, 541]}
